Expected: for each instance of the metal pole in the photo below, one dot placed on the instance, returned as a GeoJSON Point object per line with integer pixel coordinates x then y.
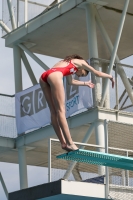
{"type": "Point", "coordinates": [28, 68]}
{"type": "Point", "coordinates": [118, 36]}
{"type": "Point", "coordinates": [116, 88]}
{"type": "Point", "coordinates": [110, 47]}
{"type": "Point", "coordinates": [49, 160]}
{"type": "Point", "coordinates": [11, 12]}
{"type": "Point", "coordinates": [85, 140]}
{"type": "Point", "coordinates": [17, 69]}
{"type": "Point", "coordinates": [45, 67]}
{"type": "Point", "coordinates": [116, 93]}
{"type": "Point", "coordinates": [59, 5]}
{"type": "Point", "coordinates": [106, 151]}
{"type": "Point", "coordinates": [3, 185]}
{"type": "Point", "coordinates": [22, 168]}
{"type": "Point", "coordinates": [123, 178]}
{"type": "Point", "coordinates": [93, 53]}
{"type": "Point", "coordinates": [93, 49]}
{"type": "Point", "coordinates": [127, 174]}
{"type": "Point", "coordinates": [104, 66]}
{"type": "Point", "coordinates": [100, 140]}
{"type": "Point", "coordinates": [17, 13]}
{"type": "Point", "coordinates": [26, 11]}
{"type": "Point", "coordinates": [4, 27]}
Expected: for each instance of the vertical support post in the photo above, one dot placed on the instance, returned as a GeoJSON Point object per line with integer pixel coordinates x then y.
{"type": "Point", "coordinates": [127, 175]}
{"type": "Point", "coordinates": [106, 151]}
{"type": "Point", "coordinates": [116, 87]}
{"type": "Point", "coordinates": [26, 11]}
{"type": "Point", "coordinates": [11, 12]}
{"type": "Point", "coordinates": [100, 140]}
{"type": "Point", "coordinates": [28, 68]}
{"type": "Point", "coordinates": [93, 52]}
{"type": "Point", "coordinates": [17, 69]}
{"type": "Point", "coordinates": [93, 49]}
{"type": "Point", "coordinates": [123, 178]}
{"type": "Point", "coordinates": [18, 88]}
{"type": "Point", "coordinates": [49, 160]}
{"type": "Point", "coordinates": [107, 98]}
{"type": "Point", "coordinates": [17, 13]}
{"type": "Point", "coordinates": [22, 168]}
{"type": "Point", "coordinates": [118, 36]}
{"type": "Point", "coordinates": [116, 92]}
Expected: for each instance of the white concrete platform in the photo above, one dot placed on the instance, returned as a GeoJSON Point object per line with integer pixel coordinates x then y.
{"type": "Point", "coordinates": [58, 190]}
{"type": "Point", "coordinates": [62, 31]}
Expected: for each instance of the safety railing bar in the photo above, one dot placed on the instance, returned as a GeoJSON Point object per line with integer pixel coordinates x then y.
{"type": "Point", "coordinates": [7, 95]}
{"type": "Point", "coordinates": [3, 185]}
{"type": "Point", "coordinates": [39, 4]}
{"type": "Point", "coordinates": [91, 145]}
{"type": "Point", "coordinates": [124, 102]}
{"type": "Point", "coordinates": [125, 65]}
{"type": "Point", "coordinates": [101, 59]}
{"type": "Point", "coordinates": [7, 116]}
{"type": "Point", "coordinates": [126, 150]}
{"type": "Point", "coordinates": [83, 144]}
{"type": "Point", "coordinates": [108, 61]}
{"type": "Point", "coordinates": [126, 107]}
{"type": "Point", "coordinates": [120, 186]}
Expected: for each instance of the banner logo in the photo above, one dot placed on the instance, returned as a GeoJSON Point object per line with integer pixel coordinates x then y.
{"type": "Point", "coordinates": [32, 102]}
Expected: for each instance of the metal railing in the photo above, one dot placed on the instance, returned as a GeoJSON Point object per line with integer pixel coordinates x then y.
{"type": "Point", "coordinates": [19, 12]}
{"type": "Point", "coordinates": [113, 178]}
{"type": "Point", "coordinates": [118, 97]}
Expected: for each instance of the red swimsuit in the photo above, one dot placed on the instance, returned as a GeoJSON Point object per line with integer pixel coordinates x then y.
{"type": "Point", "coordinates": [70, 69]}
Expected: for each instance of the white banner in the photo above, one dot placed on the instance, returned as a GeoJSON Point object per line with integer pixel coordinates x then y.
{"type": "Point", "coordinates": [32, 110]}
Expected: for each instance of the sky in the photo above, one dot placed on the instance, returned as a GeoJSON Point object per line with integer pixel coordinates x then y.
{"type": "Point", "coordinates": [10, 172]}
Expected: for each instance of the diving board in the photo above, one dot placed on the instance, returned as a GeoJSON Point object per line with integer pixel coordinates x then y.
{"type": "Point", "coordinates": [98, 158]}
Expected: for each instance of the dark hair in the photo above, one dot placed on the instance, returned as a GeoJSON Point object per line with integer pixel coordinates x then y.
{"type": "Point", "coordinates": [75, 56]}
{"type": "Point", "coordinates": [86, 72]}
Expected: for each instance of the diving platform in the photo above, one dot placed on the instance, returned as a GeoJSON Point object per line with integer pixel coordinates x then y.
{"type": "Point", "coordinates": [61, 189]}
{"type": "Point", "coordinates": [98, 158]}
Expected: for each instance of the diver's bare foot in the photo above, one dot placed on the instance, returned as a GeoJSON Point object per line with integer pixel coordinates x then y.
{"type": "Point", "coordinates": [63, 145]}
{"type": "Point", "coordinates": [71, 147]}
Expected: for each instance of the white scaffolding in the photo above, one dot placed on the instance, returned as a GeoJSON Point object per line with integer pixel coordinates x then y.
{"type": "Point", "coordinates": [32, 31]}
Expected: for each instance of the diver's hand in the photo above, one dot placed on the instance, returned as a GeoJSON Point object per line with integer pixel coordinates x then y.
{"type": "Point", "coordinates": [113, 81]}
{"type": "Point", "coordinates": [89, 84]}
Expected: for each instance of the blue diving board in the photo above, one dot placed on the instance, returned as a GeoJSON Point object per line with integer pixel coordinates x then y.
{"type": "Point", "coordinates": [98, 158]}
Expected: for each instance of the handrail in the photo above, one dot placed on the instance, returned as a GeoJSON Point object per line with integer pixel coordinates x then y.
{"type": "Point", "coordinates": [7, 95]}
{"type": "Point", "coordinates": [108, 61]}
{"type": "Point", "coordinates": [3, 185]}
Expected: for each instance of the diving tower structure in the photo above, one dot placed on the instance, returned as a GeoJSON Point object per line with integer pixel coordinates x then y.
{"type": "Point", "coordinates": [98, 30]}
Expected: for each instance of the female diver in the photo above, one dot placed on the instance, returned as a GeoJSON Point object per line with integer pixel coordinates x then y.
{"type": "Point", "coordinates": [51, 83]}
